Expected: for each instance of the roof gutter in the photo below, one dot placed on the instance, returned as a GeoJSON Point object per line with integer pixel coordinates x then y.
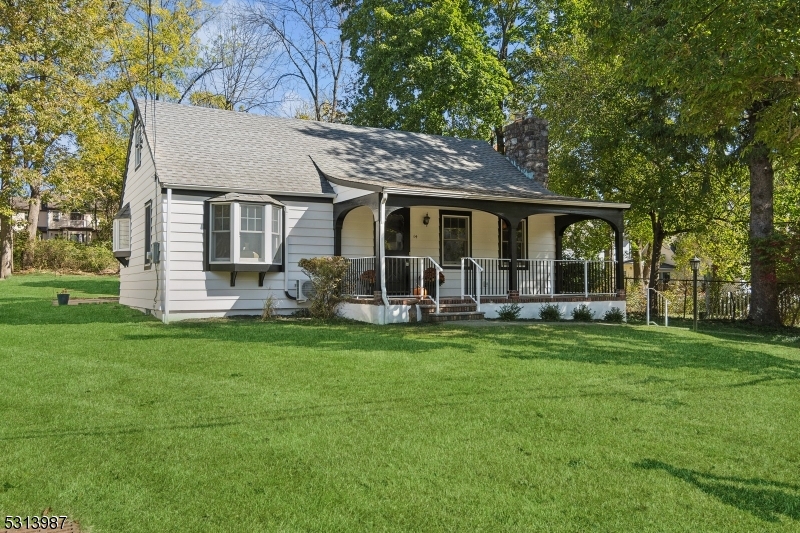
{"type": "Point", "coordinates": [546, 201]}
{"type": "Point", "coordinates": [245, 191]}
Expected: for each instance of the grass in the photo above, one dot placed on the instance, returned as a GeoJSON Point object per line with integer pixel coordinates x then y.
{"type": "Point", "coordinates": [128, 425]}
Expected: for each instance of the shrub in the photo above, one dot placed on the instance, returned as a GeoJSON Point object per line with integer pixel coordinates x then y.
{"type": "Point", "coordinates": [270, 308]}
{"type": "Point", "coordinates": [67, 255]}
{"type": "Point", "coordinates": [509, 311]}
{"type": "Point", "coordinates": [614, 315]}
{"type": "Point", "coordinates": [550, 313]}
{"type": "Point", "coordinates": [582, 313]}
{"type": "Point", "coordinates": [326, 275]}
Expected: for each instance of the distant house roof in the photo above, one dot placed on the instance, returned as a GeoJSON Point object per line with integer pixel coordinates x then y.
{"type": "Point", "coordinates": [197, 147]}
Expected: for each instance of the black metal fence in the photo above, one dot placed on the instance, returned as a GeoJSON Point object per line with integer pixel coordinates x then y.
{"type": "Point", "coordinates": [716, 299]}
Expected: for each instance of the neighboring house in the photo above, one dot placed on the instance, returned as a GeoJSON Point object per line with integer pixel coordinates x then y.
{"type": "Point", "coordinates": [56, 222]}
{"type": "Point", "coordinates": [666, 268]}
{"type": "Point", "coordinates": [219, 206]}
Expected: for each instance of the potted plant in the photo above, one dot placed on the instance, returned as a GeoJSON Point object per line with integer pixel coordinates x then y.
{"type": "Point", "coordinates": [429, 278]}
{"type": "Point", "coordinates": [368, 277]}
{"type": "Point", "coordinates": [63, 297]}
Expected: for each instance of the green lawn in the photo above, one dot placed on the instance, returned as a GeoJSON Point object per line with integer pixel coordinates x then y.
{"type": "Point", "coordinates": [128, 425]}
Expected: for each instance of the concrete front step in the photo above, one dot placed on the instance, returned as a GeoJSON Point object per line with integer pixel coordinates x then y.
{"type": "Point", "coordinates": [448, 308]}
{"type": "Point", "coordinates": [452, 317]}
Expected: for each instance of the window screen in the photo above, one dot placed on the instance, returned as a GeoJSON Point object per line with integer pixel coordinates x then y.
{"type": "Point", "coordinates": [277, 235]}
{"type": "Point", "coordinates": [251, 233]}
{"type": "Point", "coordinates": [455, 239]}
{"type": "Point", "coordinates": [221, 232]}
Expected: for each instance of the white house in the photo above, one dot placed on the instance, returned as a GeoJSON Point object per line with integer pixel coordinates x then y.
{"type": "Point", "coordinates": [219, 207]}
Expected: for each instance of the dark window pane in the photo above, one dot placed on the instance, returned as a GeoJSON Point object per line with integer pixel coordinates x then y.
{"type": "Point", "coordinates": [221, 246]}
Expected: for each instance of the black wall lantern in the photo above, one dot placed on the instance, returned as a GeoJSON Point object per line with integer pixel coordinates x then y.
{"type": "Point", "coordinates": [426, 219]}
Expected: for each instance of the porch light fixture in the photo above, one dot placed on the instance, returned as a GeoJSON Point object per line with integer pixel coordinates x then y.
{"type": "Point", "coordinates": [426, 219]}
{"type": "Point", "coordinates": [695, 261]}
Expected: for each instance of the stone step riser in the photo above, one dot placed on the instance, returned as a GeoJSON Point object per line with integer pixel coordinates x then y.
{"type": "Point", "coordinates": [453, 317]}
{"type": "Point", "coordinates": [449, 309]}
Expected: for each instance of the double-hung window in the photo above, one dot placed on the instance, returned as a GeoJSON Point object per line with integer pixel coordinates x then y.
{"type": "Point", "coordinates": [220, 249]}
{"type": "Point", "coordinates": [455, 238]}
{"type": "Point", "coordinates": [522, 240]}
{"type": "Point", "coordinates": [245, 233]}
{"type": "Point", "coordinates": [277, 235]}
{"type": "Point", "coordinates": [251, 232]}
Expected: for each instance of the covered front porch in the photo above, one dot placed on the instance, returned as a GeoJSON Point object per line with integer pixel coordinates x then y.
{"type": "Point", "coordinates": [425, 256]}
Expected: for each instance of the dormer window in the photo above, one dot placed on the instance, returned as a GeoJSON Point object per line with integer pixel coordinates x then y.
{"type": "Point", "coordinates": [239, 237]}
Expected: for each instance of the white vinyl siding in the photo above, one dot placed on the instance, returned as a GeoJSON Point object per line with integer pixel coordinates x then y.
{"type": "Point", "coordinates": [140, 287]}
{"type": "Point", "coordinates": [197, 293]}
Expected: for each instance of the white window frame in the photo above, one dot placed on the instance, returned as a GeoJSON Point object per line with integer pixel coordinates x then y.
{"type": "Point", "coordinates": [469, 238]}
{"type": "Point", "coordinates": [264, 240]}
{"type": "Point", "coordinates": [232, 253]}
{"type": "Point", "coordinates": [267, 232]}
{"type": "Point", "coordinates": [276, 233]}
{"type": "Point", "coordinates": [119, 245]}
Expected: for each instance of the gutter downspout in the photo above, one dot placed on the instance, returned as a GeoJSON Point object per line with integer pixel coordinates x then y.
{"type": "Point", "coordinates": [165, 314]}
{"type": "Point", "coordinates": [286, 255]}
{"type": "Point", "coordinates": [382, 250]}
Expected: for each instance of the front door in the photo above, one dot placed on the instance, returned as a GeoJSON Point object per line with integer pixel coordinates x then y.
{"type": "Point", "coordinates": [398, 245]}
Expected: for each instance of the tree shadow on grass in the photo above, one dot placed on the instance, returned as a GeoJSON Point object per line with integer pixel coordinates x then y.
{"type": "Point", "coordinates": [357, 337]}
{"type": "Point", "coordinates": [653, 348]}
{"type": "Point", "coordinates": [764, 499]}
{"type": "Point", "coordinates": [89, 286]}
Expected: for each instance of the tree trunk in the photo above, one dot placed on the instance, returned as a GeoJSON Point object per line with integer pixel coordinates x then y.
{"type": "Point", "coordinates": [636, 256]}
{"type": "Point", "coordinates": [6, 248]}
{"type": "Point", "coordinates": [498, 136]}
{"type": "Point", "coordinates": [763, 279]}
{"type": "Point", "coordinates": [34, 208]}
{"type": "Point", "coordinates": [645, 252]}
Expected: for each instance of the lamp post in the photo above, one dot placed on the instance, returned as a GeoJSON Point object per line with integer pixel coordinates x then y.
{"type": "Point", "coordinates": [695, 261]}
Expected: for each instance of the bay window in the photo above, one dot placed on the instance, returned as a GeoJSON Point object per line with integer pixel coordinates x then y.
{"type": "Point", "coordinates": [245, 234]}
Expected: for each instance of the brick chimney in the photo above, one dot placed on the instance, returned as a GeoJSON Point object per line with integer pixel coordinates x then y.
{"type": "Point", "coordinates": [526, 147]}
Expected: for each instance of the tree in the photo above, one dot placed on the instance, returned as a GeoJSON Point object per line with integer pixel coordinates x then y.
{"type": "Point", "coordinates": [426, 67]}
{"type": "Point", "coordinates": [49, 52]}
{"type": "Point", "coordinates": [155, 46]}
{"type": "Point", "coordinates": [511, 28]}
{"type": "Point", "coordinates": [617, 140]}
{"type": "Point", "coordinates": [312, 51]}
{"type": "Point", "coordinates": [237, 69]}
{"type": "Point", "coordinates": [734, 65]}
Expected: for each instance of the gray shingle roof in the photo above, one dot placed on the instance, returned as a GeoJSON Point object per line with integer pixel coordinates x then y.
{"type": "Point", "coordinates": [200, 147]}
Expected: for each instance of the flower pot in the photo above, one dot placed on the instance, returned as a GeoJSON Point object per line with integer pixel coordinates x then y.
{"type": "Point", "coordinates": [63, 298]}
{"type": "Point", "coordinates": [420, 291]}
